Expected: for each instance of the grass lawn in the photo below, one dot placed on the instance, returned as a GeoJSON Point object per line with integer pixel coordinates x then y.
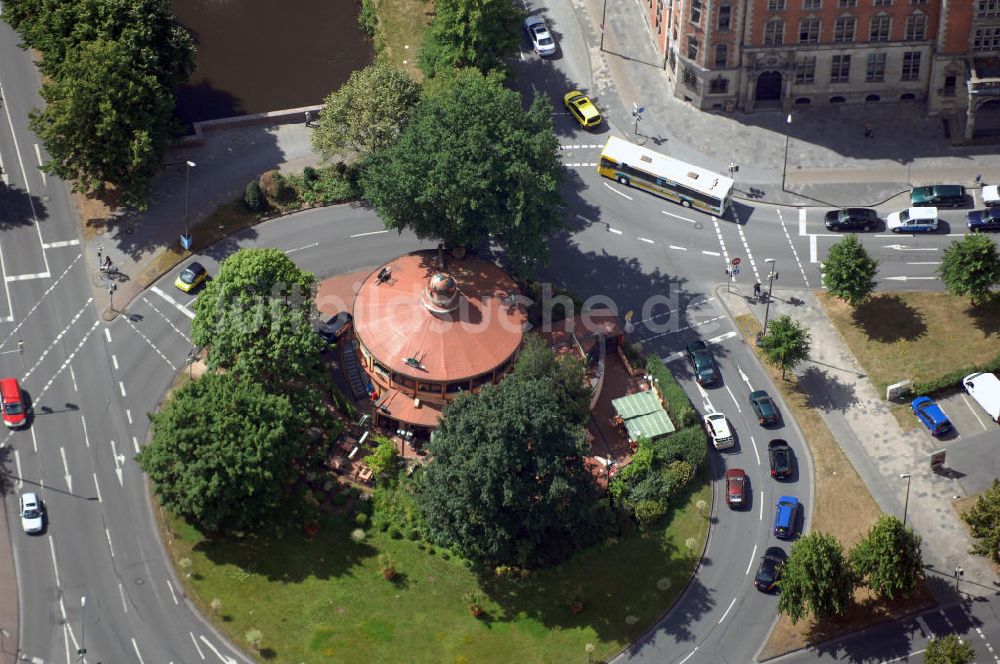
{"type": "Point", "coordinates": [899, 336]}
{"type": "Point", "coordinates": [401, 27]}
{"type": "Point", "coordinates": [842, 507]}
{"type": "Point", "coordinates": [323, 599]}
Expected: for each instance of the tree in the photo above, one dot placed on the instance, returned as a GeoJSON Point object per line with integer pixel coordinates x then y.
{"type": "Point", "coordinates": [565, 376]}
{"type": "Point", "coordinates": [507, 484]}
{"type": "Point", "coordinates": [971, 266]}
{"type": "Point", "coordinates": [469, 33]}
{"type": "Point", "coordinates": [367, 113]}
{"type": "Point", "coordinates": [849, 272]}
{"type": "Point", "coordinates": [105, 121]}
{"type": "Point", "coordinates": [949, 650]}
{"type": "Point", "coordinates": [816, 579]}
{"type": "Point", "coordinates": [254, 318]}
{"type": "Point", "coordinates": [786, 343]}
{"type": "Point", "coordinates": [472, 165]}
{"type": "Point", "coordinates": [222, 452]}
{"type": "Point", "coordinates": [984, 520]}
{"type": "Point", "coordinates": [384, 461]}
{"type": "Point", "coordinates": [888, 559]}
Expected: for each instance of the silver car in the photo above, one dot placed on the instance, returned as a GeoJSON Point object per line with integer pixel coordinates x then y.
{"type": "Point", "coordinates": [31, 513]}
{"type": "Point", "coordinates": [538, 32]}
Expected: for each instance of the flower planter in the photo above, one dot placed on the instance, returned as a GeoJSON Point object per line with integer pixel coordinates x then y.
{"type": "Point", "coordinates": [576, 607]}
{"type": "Point", "coordinates": [312, 528]}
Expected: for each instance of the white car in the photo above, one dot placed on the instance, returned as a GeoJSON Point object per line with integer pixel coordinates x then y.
{"type": "Point", "coordinates": [991, 195]}
{"type": "Point", "coordinates": [913, 220]}
{"type": "Point", "coordinates": [718, 428]}
{"type": "Point", "coordinates": [538, 32]}
{"type": "Point", "coordinates": [31, 513]}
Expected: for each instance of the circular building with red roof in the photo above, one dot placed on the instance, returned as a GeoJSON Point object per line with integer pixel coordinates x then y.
{"type": "Point", "coordinates": [428, 330]}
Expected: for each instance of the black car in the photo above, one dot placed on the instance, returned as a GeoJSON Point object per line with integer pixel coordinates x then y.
{"type": "Point", "coordinates": [851, 219]}
{"type": "Point", "coordinates": [780, 455]}
{"type": "Point", "coordinates": [701, 361]}
{"type": "Point", "coordinates": [984, 220]}
{"type": "Point", "coordinates": [763, 406]}
{"type": "Point", "coordinates": [769, 572]}
{"type": "Point", "coordinates": [335, 327]}
{"type": "Point", "coordinates": [938, 195]}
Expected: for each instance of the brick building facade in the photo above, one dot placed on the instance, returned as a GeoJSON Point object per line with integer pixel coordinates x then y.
{"type": "Point", "coordinates": [750, 54]}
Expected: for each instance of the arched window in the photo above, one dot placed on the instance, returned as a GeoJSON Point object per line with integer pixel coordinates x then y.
{"type": "Point", "coordinates": [837, 100]}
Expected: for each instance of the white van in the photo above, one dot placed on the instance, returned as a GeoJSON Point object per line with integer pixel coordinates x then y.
{"type": "Point", "coordinates": [985, 389]}
{"type": "Point", "coordinates": [913, 219]}
{"type": "Point", "coordinates": [991, 195]}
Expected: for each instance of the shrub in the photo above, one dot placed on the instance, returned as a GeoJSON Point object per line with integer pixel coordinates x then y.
{"type": "Point", "coordinates": [648, 512]}
{"type": "Point", "coordinates": [339, 500]}
{"type": "Point", "coordinates": [309, 174]}
{"type": "Point", "coordinates": [368, 18]}
{"type": "Point", "coordinates": [360, 519]}
{"type": "Point", "coordinates": [953, 378]}
{"type": "Point", "coordinates": [358, 535]}
{"type": "Point", "coordinates": [384, 461]}
{"type": "Point", "coordinates": [276, 188]}
{"type": "Point", "coordinates": [253, 198]}
{"type": "Point", "coordinates": [395, 534]}
{"type": "Point", "coordinates": [685, 445]}
{"type": "Point", "coordinates": [413, 535]}
{"type": "Point", "coordinates": [678, 405]}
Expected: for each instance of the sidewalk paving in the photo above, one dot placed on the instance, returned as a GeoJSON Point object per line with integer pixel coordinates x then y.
{"type": "Point", "coordinates": [878, 448]}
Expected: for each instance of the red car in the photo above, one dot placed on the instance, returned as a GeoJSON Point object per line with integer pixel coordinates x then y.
{"type": "Point", "coordinates": [15, 415]}
{"type": "Point", "coordinates": [736, 484]}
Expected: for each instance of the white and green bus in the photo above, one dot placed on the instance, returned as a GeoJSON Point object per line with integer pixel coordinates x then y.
{"type": "Point", "coordinates": [691, 186]}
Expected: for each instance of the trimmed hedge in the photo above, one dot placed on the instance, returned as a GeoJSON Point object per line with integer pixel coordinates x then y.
{"type": "Point", "coordinates": [953, 378]}
{"type": "Point", "coordinates": [689, 444]}
{"type": "Point", "coordinates": [679, 406]}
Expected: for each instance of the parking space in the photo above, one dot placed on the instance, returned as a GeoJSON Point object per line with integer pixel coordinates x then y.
{"type": "Point", "coordinates": [965, 414]}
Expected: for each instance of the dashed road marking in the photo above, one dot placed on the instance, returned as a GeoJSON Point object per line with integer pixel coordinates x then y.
{"type": "Point", "coordinates": [795, 253]}
{"type": "Point", "coordinates": [746, 246]}
{"type": "Point", "coordinates": [184, 310]}
{"type": "Point", "coordinates": [681, 329]}
{"type": "Point", "coordinates": [674, 246]}
{"type": "Point", "coordinates": [59, 337]}
{"type": "Point", "coordinates": [580, 147]}
{"type": "Point", "coordinates": [646, 240]}
{"type": "Point", "coordinates": [730, 608]}
{"type": "Point", "coordinates": [753, 556]}
{"type": "Point", "coordinates": [614, 230]}
{"type": "Point", "coordinates": [710, 253]}
{"type": "Point", "coordinates": [677, 216]}
{"type": "Point", "coordinates": [67, 361]}
{"type": "Point", "coordinates": [581, 164]}
{"type": "Point", "coordinates": [167, 319]}
{"type": "Point", "coordinates": [151, 345]}
{"type": "Point", "coordinates": [61, 243]}
{"type": "Point", "coordinates": [368, 233]}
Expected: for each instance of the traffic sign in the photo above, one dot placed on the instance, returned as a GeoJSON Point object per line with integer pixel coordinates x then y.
{"type": "Point", "coordinates": [736, 260]}
{"type": "Point", "coordinates": [186, 241]}
{"type": "Point", "coordinates": [735, 270]}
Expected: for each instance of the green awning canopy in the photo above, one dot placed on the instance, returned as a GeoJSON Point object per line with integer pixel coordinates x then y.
{"type": "Point", "coordinates": [644, 415]}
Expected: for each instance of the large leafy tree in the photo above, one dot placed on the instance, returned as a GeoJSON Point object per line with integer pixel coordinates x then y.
{"type": "Point", "coordinates": [367, 113]}
{"type": "Point", "coordinates": [223, 450]}
{"type": "Point", "coordinates": [470, 33]}
{"type": "Point", "coordinates": [971, 266]}
{"type": "Point", "coordinates": [888, 559]}
{"type": "Point", "coordinates": [254, 318]}
{"type": "Point", "coordinates": [816, 579]}
{"type": "Point", "coordinates": [472, 165]}
{"type": "Point", "coordinates": [984, 520]}
{"type": "Point", "coordinates": [949, 649]}
{"type": "Point", "coordinates": [785, 344]}
{"type": "Point", "coordinates": [507, 484]}
{"type": "Point", "coordinates": [849, 271]}
{"type": "Point", "coordinates": [565, 375]}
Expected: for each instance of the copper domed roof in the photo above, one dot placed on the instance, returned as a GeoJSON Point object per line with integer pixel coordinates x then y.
{"type": "Point", "coordinates": [434, 326]}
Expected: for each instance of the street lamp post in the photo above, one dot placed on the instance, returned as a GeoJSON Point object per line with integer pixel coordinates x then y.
{"type": "Point", "coordinates": [770, 287]}
{"type": "Point", "coordinates": [186, 238]}
{"type": "Point", "coordinates": [959, 573]}
{"type": "Point", "coordinates": [784, 164]}
{"type": "Point", "coordinates": [906, 504]}
{"type": "Point", "coordinates": [82, 650]}
{"type": "Point", "coordinates": [604, 26]}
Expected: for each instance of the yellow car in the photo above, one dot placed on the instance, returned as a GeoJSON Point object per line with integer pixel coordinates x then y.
{"type": "Point", "coordinates": [582, 109]}
{"type": "Point", "coordinates": [191, 277]}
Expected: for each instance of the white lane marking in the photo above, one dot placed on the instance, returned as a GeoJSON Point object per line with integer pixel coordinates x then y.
{"type": "Point", "coordinates": [722, 337]}
{"type": "Point", "coordinates": [722, 243]}
{"type": "Point", "coordinates": [196, 646]}
{"type": "Point", "coordinates": [128, 415]}
{"type": "Point", "coordinates": [674, 246]}
{"type": "Point", "coordinates": [135, 444]}
{"type": "Point", "coordinates": [802, 221]}
{"type": "Point", "coordinates": [119, 460]}
{"type": "Point", "coordinates": [121, 386]}
{"type": "Point", "coordinates": [180, 307]}
{"type": "Point", "coordinates": [646, 240]}
{"type": "Point", "coordinates": [61, 243]}
{"type": "Point", "coordinates": [582, 146]}
{"type": "Point", "coordinates": [903, 247]}
{"type": "Point", "coordinates": [86, 438]}
{"type": "Point", "coordinates": [925, 263]}
{"type": "Point", "coordinates": [905, 278]}
{"type": "Point", "coordinates": [98, 487]}
{"type": "Point", "coordinates": [736, 403]}
{"type": "Point", "coordinates": [72, 376]}
{"type": "Point", "coordinates": [581, 164]}
{"type": "Point", "coordinates": [677, 216]}
{"type": "Point", "coordinates": [813, 249]}
{"type": "Point", "coordinates": [114, 362]}
{"type": "Point", "coordinates": [727, 611]}
{"type": "Point", "coordinates": [55, 565]}
{"type": "Point", "coordinates": [128, 321]}
{"type": "Point", "coordinates": [38, 156]}
{"type": "Point", "coordinates": [755, 452]}
{"type": "Point", "coordinates": [682, 329]}
{"type": "Point", "coordinates": [59, 337]}
{"type": "Point", "coordinates": [34, 440]}
{"type": "Point", "coordinates": [369, 233]}
{"type": "Point", "coordinates": [28, 277]}
{"type": "Point", "coordinates": [689, 656]}
{"type": "Point", "coordinates": [66, 363]}
{"type": "Point", "coordinates": [616, 191]}
{"type": "Point", "coordinates": [111, 547]}
{"type": "Point", "coordinates": [614, 230]}
{"type": "Point", "coordinates": [107, 334]}
{"type": "Point", "coordinates": [137, 653]}
{"type": "Point", "coordinates": [227, 660]}
{"type": "Point", "coordinates": [67, 476]}
{"type": "Point", "coordinates": [121, 591]}
{"type": "Point", "coordinates": [307, 246]}
{"type": "Point", "coordinates": [791, 244]}
{"type": "Point", "coordinates": [904, 657]}
{"type": "Point", "coordinates": [973, 410]}
{"type": "Point", "coordinates": [923, 626]}
{"type": "Point", "coordinates": [746, 247]}
{"type": "Point", "coordinates": [710, 253]}
{"type": "Point", "coordinates": [10, 302]}
{"type": "Point", "coordinates": [753, 557]}
{"type": "Point", "coordinates": [20, 474]}
{"type": "Point", "coordinates": [762, 505]}
{"type": "Point", "coordinates": [172, 593]}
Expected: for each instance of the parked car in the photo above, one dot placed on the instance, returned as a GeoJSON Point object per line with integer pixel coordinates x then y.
{"type": "Point", "coordinates": [938, 195]}
{"type": "Point", "coordinates": [985, 389]}
{"type": "Point", "coordinates": [785, 514]}
{"type": "Point", "coordinates": [702, 362]}
{"type": "Point", "coordinates": [335, 327]}
{"type": "Point", "coordinates": [780, 455]}
{"type": "Point", "coordinates": [851, 219]}
{"type": "Point", "coordinates": [914, 219]}
{"type": "Point", "coordinates": [763, 406]}
{"type": "Point", "coordinates": [191, 277]}
{"type": "Point", "coordinates": [991, 195]}
{"type": "Point", "coordinates": [718, 429]}
{"type": "Point", "coordinates": [736, 487]}
{"type": "Point", "coordinates": [15, 412]}
{"type": "Point", "coordinates": [983, 220]}
{"type": "Point", "coordinates": [931, 415]}
{"type": "Point", "coordinates": [538, 32]}
{"type": "Point", "coordinates": [32, 517]}
{"type": "Point", "coordinates": [769, 572]}
{"type": "Point", "coordinates": [582, 109]}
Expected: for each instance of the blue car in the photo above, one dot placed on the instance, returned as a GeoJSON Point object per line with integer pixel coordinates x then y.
{"type": "Point", "coordinates": [931, 415]}
{"type": "Point", "coordinates": [984, 220]}
{"type": "Point", "coordinates": [784, 517]}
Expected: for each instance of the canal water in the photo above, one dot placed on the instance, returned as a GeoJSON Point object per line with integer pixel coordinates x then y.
{"type": "Point", "coordinates": [266, 55]}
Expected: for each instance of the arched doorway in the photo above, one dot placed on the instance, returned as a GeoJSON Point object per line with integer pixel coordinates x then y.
{"type": "Point", "coordinates": [769, 89]}
{"type": "Point", "coordinates": [987, 120]}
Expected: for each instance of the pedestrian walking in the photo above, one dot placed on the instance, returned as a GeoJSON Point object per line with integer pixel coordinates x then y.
{"type": "Point", "coordinates": [309, 118]}
{"type": "Point", "coordinates": [756, 289]}
{"type": "Point", "coordinates": [107, 263]}
{"type": "Point", "coordinates": [868, 130]}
